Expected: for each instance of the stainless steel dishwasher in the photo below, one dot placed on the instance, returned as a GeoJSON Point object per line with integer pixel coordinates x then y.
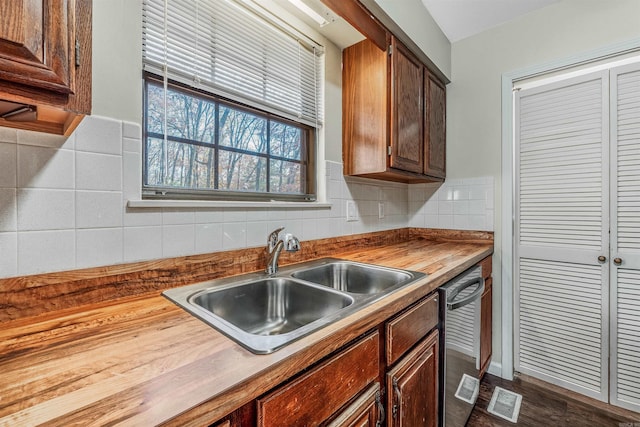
{"type": "Point", "coordinates": [461, 337]}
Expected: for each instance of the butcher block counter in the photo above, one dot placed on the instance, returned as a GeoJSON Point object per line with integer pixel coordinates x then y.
{"type": "Point", "coordinates": [137, 359]}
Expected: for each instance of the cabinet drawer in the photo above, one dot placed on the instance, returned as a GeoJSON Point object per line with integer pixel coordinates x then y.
{"type": "Point", "coordinates": [409, 327]}
{"type": "Point", "coordinates": [312, 398]}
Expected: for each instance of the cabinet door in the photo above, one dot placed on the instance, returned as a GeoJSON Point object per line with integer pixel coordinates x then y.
{"type": "Point", "coordinates": [366, 411]}
{"type": "Point", "coordinates": [434, 128]}
{"type": "Point", "coordinates": [406, 111]}
{"type": "Point", "coordinates": [413, 387]}
{"type": "Point", "coordinates": [36, 43]}
{"type": "Point", "coordinates": [485, 327]}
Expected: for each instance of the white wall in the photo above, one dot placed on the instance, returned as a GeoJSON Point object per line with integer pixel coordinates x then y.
{"type": "Point", "coordinates": [474, 97]}
{"type": "Point", "coordinates": [117, 59]}
{"type": "Point", "coordinates": [417, 23]}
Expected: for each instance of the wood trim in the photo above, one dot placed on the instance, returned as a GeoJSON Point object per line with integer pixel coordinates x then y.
{"type": "Point", "coordinates": [486, 327]}
{"type": "Point", "coordinates": [33, 295]}
{"type": "Point", "coordinates": [443, 235]}
{"type": "Point", "coordinates": [371, 20]}
{"type": "Point", "coordinates": [487, 267]}
{"type": "Point", "coordinates": [26, 296]}
{"type": "Point", "coordinates": [361, 19]}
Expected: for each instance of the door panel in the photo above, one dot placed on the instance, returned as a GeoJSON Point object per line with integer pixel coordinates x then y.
{"type": "Point", "coordinates": [36, 37]}
{"type": "Point", "coordinates": [625, 236]}
{"type": "Point", "coordinates": [407, 120]}
{"type": "Point", "coordinates": [562, 218]}
{"type": "Point", "coordinates": [435, 128]}
{"type": "Point", "coordinates": [413, 387]}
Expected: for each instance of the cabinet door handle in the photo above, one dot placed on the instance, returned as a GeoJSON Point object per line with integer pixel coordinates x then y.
{"type": "Point", "coordinates": [602, 258]}
{"type": "Point", "coordinates": [396, 391]}
{"type": "Point", "coordinates": [617, 261]}
{"type": "Point", "coordinates": [381, 413]}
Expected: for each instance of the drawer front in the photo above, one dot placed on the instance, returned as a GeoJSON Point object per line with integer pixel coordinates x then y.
{"type": "Point", "coordinates": [312, 398]}
{"type": "Point", "coordinates": [409, 327]}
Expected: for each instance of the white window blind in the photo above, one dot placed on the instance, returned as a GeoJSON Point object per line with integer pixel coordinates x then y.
{"type": "Point", "coordinates": [235, 49]}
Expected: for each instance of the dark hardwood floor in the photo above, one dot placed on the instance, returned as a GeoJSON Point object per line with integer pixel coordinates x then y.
{"type": "Point", "coordinates": [547, 405]}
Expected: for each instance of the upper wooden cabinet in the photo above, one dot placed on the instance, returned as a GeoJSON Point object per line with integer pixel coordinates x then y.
{"type": "Point", "coordinates": [45, 64]}
{"type": "Point", "coordinates": [393, 115]}
{"type": "Point", "coordinates": [435, 144]}
{"type": "Point", "coordinates": [407, 107]}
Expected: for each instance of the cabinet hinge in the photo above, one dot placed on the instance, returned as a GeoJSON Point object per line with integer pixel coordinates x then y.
{"type": "Point", "coordinates": [77, 53]}
{"type": "Point", "coordinates": [389, 150]}
{"type": "Point", "coordinates": [390, 50]}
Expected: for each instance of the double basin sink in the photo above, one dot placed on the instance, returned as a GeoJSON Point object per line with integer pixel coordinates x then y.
{"type": "Point", "coordinates": [264, 313]}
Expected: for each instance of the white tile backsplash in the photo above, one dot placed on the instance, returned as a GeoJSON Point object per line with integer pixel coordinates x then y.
{"type": "Point", "coordinates": [234, 235]}
{"type": "Point", "coordinates": [178, 240]}
{"type": "Point", "coordinates": [45, 209]}
{"type": "Point", "coordinates": [142, 243]}
{"type": "Point", "coordinates": [44, 167]}
{"type": "Point", "coordinates": [209, 237]}
{"type": "Point", "coordinates": [8, 164]}
{"type": "Point", "coordinates": [100, 136]}
{"type": "Point", "coordinates": [8, 211]}
{"type": "Point", "coordinates": [96, 209]}
{"type": "Point", "coordinates": [98, 171]}
{"type": "Point", "coordinates": [8, 254]}
{"type": "Point", "coordinates": [464, 204]}
{"type": "Point", "coordinates": [8, 135]}
{"type": "Point", "coordinates": [98, 246]}
{"type": "Point", "coordinates": [26, 137]}
{"type": "Point", "coordinates": [46, 251]}
{"type": "Point", "coordinates": [67, 197]}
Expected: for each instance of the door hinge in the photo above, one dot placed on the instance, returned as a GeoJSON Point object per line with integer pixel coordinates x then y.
{"type": "Point", "coordinates": [389, 150]}
{"type": "Point", "coordinates": [77, 53]}
{"type": "Point", "coordinates": [390, 50]}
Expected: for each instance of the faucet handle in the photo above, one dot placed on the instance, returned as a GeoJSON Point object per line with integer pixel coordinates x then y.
{"type": "Point", "coordinates": [291, 243]}
{"type": "Point", "coordinates": [272, 240]}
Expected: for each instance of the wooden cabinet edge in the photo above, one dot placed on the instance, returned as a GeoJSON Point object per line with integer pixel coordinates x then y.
{"type": "Point", "coordinates": [59, 113]}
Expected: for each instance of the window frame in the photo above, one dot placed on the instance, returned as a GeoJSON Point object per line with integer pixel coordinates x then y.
{"type": "Point", "coordinates": [307, 153]}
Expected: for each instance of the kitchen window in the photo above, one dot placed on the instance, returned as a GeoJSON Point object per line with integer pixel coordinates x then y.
{"type": "Point", "coordinates": [232, 103]}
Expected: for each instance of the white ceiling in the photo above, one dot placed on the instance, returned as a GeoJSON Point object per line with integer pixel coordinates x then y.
{"type": "Point", "coordinates": [459, 19]}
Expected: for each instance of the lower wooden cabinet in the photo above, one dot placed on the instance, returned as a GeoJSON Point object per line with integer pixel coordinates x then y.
{"type": "Point", "coordinates": [412, 387]}
{"type": "Point", "coordinates": [345, 389]}
{"type": "Point", "coordinates": [313, 398]}
{"type": "Point", "coordinates": [366, 411]}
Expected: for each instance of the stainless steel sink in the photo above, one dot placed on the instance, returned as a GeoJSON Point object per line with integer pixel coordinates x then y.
{"type": "Point", "coordinates": [264, 313]}
{"type": "Point", "coordinates": [271, 306]}
{"type": "Point", "coordinates": [354, 277]}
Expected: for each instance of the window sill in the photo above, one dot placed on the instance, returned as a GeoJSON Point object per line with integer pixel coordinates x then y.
{"type": "Point", "coordinates": [204, 204]}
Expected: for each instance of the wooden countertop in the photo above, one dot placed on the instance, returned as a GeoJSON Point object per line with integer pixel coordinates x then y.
{"type": "Point", "coordinates": [144, 361]}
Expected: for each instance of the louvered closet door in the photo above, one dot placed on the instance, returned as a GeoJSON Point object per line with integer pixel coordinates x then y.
{"type": "Point", "coordinates": [625, 237]}
{"type": "Point", "coordinates": [561, 318]}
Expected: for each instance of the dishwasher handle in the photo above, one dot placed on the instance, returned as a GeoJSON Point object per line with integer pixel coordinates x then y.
{"type": "Point", "coordinates": [452, 304]}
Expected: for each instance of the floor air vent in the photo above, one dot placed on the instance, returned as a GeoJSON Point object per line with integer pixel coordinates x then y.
{"type": "Point", "coordinates": [505, 404]}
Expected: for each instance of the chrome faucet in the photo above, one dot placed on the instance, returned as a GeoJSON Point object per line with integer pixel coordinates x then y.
{"type": "Point", "coordinates": [275, 246]}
